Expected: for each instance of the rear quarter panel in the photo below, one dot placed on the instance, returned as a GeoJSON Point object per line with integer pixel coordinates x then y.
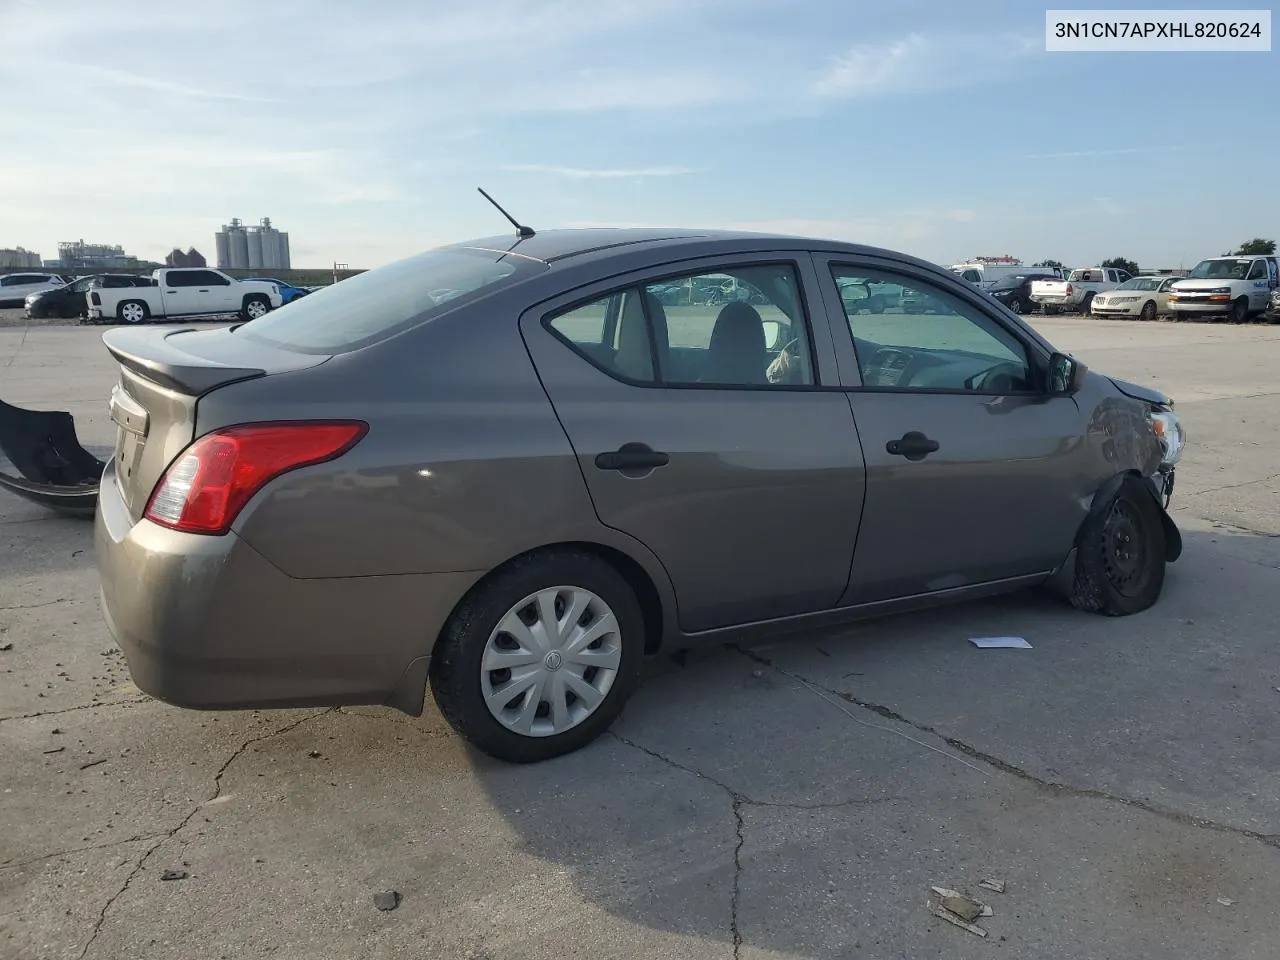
{"type": "Point", "coordinates": [465, 464]}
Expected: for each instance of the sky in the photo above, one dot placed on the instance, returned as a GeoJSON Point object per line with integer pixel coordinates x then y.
{"type": "Point", "coordinates": [363, 129]}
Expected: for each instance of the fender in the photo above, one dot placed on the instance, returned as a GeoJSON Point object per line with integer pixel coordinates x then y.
{"type": "Point", "coordinates": [1102, 499]}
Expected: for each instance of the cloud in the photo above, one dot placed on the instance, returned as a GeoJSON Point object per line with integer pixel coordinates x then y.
{"type": "Point", "coordinates": [920, 62]}
{"type": "Point", "coordinates": [123, 78]}
{"type": "Point", "coordinates": [1073, 154]}
{"type": "Point", "coordinates": [582, 173]}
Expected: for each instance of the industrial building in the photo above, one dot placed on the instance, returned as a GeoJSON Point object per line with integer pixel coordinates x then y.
{"type": "Point", "coordinates": [78, 255]}
{"type": "Point", "coordinates": [260, 247]}
{"type": "Point", "coordinates": [19, 257]}
{"type": "Point", "coordinates": [192, 258]}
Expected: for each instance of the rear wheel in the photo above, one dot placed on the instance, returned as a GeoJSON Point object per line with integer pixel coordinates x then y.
{"type": "Point", "coordinates": [132, 311]}
{"type": "Point", "coordinates": [255, 306]}
{"type": "Point", "coordinates": [1120, 560]}
{"type": "Point", "coordinates": [540, 659]}
{"type": "Point", "coordinates": [1148, 311]}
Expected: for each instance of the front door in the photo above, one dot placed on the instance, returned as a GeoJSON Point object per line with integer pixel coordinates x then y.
{"type": "Point", "coordinates": [973, 474]}
{"type": "Point", "coordinates": [743, 478]}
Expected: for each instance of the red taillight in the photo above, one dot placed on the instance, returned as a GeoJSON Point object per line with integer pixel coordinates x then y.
{"type": "Point", "coordinates": [207, 486]}
{"type": "Point", "coordinates": [1069, 290]}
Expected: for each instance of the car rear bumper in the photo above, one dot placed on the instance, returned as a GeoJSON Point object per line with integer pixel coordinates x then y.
{"type": "Point", "coordinates": [209, 623]}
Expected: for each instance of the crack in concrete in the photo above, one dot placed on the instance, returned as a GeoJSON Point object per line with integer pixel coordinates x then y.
{"type": "Point", "coordinates": [738, 801]}
{"type": "Point", "coordinates": [141, 838]}
{"type": "Point", "coordinates": [1232, 486]}
{"type": "Point", "coordinates": [170, 834]}
{"type": "Point", "coordinates": [83, 706]}
{"type": "Point", "coordinates": [1053, 787]}
{"type": "Point", "coordinates": [46, 603]}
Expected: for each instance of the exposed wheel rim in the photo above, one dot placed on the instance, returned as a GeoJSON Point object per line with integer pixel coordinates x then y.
{"type": "Point", "coordinates": [551, 661]}
{"type": "Point", "coordinates": [1148, 311]}
{"type": "Point", "coordinates": [1126, 550]}
{"type": "Point", "coordinates": [132, 313]}
{"type": "Point", "coordinates": [255, 309]}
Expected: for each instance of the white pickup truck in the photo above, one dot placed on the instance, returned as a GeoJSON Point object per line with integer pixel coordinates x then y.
{"type": "Point", "coordinates": [1077, 291]}
{"type": "Point", "coordinates": [1232, 287]}
{"type": "Point", "coordinates": [184, 292]}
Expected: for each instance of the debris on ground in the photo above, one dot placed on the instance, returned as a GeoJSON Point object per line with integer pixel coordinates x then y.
{"type": "Point", "coordinates": [6, 646]}
{"type": "Point", "coordinates": [314, 754]}
{"type": "Point", "coordinates": [1226, 901]}
{"type": "Point", "coordinates": [387, 900]}
{"type": "Point", "coordinates": [996, 886]}
{"type": "Point", "coordinates": [93, 763]}
{"type": "Point", "coordinates": [174, 875]}
{"type": "Point", "coordinates": [1000, 643]}
{"type": "Point", "coordinates": [56, 750]}
{"type": "Point", "coordinates": [955, 908]}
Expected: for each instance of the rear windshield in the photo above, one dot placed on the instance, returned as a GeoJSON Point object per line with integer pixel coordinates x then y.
{"type": "Point", "coordinates": [380, 303]}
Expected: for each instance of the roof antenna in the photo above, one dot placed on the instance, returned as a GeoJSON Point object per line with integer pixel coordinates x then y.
{"type": "Point", "coordinates": [521, 229]}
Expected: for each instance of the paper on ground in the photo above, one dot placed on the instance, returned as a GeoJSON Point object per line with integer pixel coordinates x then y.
{"type": "Point", "coordinates": [1001, 643]}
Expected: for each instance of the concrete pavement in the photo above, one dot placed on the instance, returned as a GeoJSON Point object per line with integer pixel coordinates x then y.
{"type": "Point", "coordinates": [789, 800]}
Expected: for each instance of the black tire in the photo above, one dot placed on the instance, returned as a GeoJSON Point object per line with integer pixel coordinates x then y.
{"type": "Point", "coordinates": [1017, 306]}
{"type": "Point", "coordinates": [1148, 311]}
{"type": "Point", "coordinates": [254, 299]}
{"type": "Point", "coordinates": [121, 310]}
{"type": "Point", "coordinates": [1086, 305]}
{"type": "Point", "coordinates": [1239, 310]}
{"type": "Point", "coordinates": [1049, 310]}
{"type": "Point", "coordinates": [455, 676]}
{"type": "Point", "coordinates": [1117, 576]}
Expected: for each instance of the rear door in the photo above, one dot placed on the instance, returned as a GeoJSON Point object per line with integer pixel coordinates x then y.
{"type": "Point", "coordinates": [973, 474]}
{"type": "Point", "coordinates": [740, 471]}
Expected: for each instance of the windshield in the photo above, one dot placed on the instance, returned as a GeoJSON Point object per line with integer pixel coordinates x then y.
{"type": "Point", "coordinates": [80, 286]}
{"type": "Point", "coordinates": [379, 303]}
{"type": "Point", "coordinates": [1140, 283]}
{"type": "Point", "coordinates": [1221, 269]}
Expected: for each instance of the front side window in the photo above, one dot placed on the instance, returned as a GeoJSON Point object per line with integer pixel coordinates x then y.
{"type": "Point", "coordinates": [1258, 271]}
{"type": "Point", "coordinates": [938, 342]}
{"type": "Point", "coordinates": [736, 327]}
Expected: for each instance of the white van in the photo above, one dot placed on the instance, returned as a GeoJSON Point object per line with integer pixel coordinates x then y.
{"type": "Point", "coordinates": [1233, 287]}
{"type": "Point", "coordinates": [984, 275]}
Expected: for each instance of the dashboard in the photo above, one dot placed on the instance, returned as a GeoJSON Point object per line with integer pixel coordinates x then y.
{"type": "Point", "coordinates": [903, 367]}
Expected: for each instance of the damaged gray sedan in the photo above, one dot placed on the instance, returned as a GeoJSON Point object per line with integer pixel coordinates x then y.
{"type": "Point", "coordinates": [508, 471]}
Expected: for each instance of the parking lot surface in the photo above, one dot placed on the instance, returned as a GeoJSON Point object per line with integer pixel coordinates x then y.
{"type": "Point", "coordinates": [789, 800]}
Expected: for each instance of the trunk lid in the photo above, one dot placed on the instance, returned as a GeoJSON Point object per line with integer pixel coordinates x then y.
{"type": "Point", "coordinates": [164, 371]}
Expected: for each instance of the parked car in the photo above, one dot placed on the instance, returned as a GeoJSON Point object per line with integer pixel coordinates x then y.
{"type": "Point", "coordinates": [1138, 298]}
{"type": "Point", "coordinates": [16, 287]}
{"type": "Point", "coordinates": [288, 292]}
{"type": "Point", "coordinates": [69, 301]}
{"type": "Point", "coordinates": [986, 275]}
{"type": "Point", "coordinates": [1014, 290]}
{"type": "Point", "coordinates": [514, 496]}
{"type": "Point", "coordinates": [1078, 290]}
{"type": "Point", "coordinates": [1232, 287]}
{"type": "Point", "coordinates": [1272, 313]}
{"type": "Point", "coordinates": [185, 292]}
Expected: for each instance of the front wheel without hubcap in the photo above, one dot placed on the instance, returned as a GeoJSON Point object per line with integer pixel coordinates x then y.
{"type": "Point", "coordinates": [1120, 561]}
{"type": "Point", "coordinates": [540, 659]}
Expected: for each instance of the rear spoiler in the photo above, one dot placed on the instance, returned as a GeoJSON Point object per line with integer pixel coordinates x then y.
{"type": "Point", "coordinates": [147, 351]}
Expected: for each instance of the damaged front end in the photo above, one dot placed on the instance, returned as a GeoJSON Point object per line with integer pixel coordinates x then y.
{"type": "Point", "coordinates": [42, 460]}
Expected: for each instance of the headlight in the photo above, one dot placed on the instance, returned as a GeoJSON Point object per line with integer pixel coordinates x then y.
{"type": "Point", "coordinates": [1168, 429]}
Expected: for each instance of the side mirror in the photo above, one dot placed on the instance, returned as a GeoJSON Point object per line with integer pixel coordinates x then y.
{"type": "Point", "coordinates": [776, 333]}
{"type": "Point", "coordinates": [1066, 375]}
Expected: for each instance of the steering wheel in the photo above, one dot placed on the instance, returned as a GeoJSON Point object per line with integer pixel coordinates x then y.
{"type": "Point", "coordinates": [1000, 378]}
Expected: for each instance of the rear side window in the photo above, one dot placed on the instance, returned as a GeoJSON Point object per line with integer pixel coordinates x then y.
{"type": "Point", "coordinates": [380, 303]}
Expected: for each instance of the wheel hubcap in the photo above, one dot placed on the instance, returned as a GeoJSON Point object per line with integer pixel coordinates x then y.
{"type": "Point", "coordinates": [256, 309]}
{"type": "Point", "coordinates": [132, 313]}
{"type": "Point", "coordinates": [551, 661]}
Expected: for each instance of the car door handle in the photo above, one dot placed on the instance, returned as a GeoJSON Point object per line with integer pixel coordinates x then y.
{"type": "Point", "coordinates": [632, 456]}
{"type": "Point", "coordinates": [913, 445]}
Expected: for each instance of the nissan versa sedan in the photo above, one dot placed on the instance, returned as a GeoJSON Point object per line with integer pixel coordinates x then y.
{"type": "Point", "coordinates": [511, 492]}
